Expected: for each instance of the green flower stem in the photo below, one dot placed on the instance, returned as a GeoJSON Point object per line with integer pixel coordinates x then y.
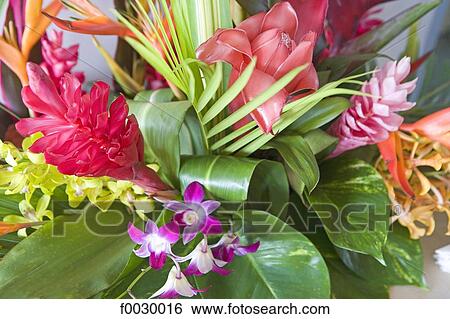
{"type": "Point", "coordinates": [133, 283]}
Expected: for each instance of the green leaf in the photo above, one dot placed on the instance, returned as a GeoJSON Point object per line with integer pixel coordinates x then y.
{"type": "Point", "coordinates": [352, 202]}
{"type": "Point", "coordinates": [162, 125]}
{"type": "Point", "coordinates": [255, 6]}
{"type": "Point", "coordinates": [211, 88]}
{"type": "Point", "coordinates": [238, 179]}
{"type": "Point", "coordinates": [342, 65]}
{"type": "Point", "coordinates": [249, 107]}
{"type": "Point", "coordinates": [403, 256]}
{"type": "Point", "coordinates": [85, 259]}
{"type": "Point", "coordinates": [378, 38]}
{"type": "Point", "coordinates": [230, 94]}
{"type": "Point", "coordinates": [9, 204]}
{"type": "Point", "coordinates": [301, 165]}
{"type": "Point", "coordinates": [323, 113]}
{"type": "Point", "coordinates": [319, 141]}
{"type": "Point", "coordinates": [287, 265]}
{"type": "Point", "coordinates": [345, 284]}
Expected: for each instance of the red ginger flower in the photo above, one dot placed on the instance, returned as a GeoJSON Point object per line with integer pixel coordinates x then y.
{"type": "Point", "coordinates": [82, 136]}
{"type": "Point", "coordinates": [59, 60]}
{"type": "Point", "coordinates": [270, 38]}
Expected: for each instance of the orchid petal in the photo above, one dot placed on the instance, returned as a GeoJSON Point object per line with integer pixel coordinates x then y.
{"type": "Point", "coordinates": [210, 206]}
{"type": "Point", "coordinates": [194, 193]}
{"type": "Point", "coordinates": [170, 232]}
{"type": "Point", "coordinates": [136, 235]}
{"type": "Point", "coordinates": [157, 261]}
{"type": "Point", "coordinates": [211, 226]}
{"type": "Point", "coordinates": [244, 250]}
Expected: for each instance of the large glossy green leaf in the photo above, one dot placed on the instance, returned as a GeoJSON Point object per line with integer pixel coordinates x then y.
{"type": "Point", "coordinates": [287, 265]}
{"type": "Point", "coordinates": [323, 113]}
{"type": "Point", "coordinates": [83, 260]}
{"type": "Point", "coordinates": [352, 202]}
{"type": "Point", "coordinates": [238, 179]}
{"type": "Point", "coordinates": [301, 165]}
{"type": "Point", "coordinates": [319, 141]}
{"type": "Point", "coordinates": [376, 39]}
{"type": "Point", "coordinates": [345, 284]}
{"type": "Point", "coordinates": [169, 130]}
{"type": "Point", "coordinates": [403, 257]}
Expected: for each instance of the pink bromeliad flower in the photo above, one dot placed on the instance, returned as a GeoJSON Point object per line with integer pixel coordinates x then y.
{"type": "Point", "coordinates": [280, 42]}
{"type": "Point", "coordinates": [59, 60]}
{"type": "Point", "coordinates": [369, 120]}
{"type": "Point", "coordinates": [82, 136]}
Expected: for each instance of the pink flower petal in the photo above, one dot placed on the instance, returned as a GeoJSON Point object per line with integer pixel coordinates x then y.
{"type": "Point", "coordinates": [283, 17]}
{"type": "Point", "coordinates": [136, 234]}
{"type": "Point", "coordinates": [252, 25]}
{"type": "Point", "coordinates": [194, 193]}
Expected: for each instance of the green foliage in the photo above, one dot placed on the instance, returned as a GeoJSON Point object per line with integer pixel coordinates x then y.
{"type": "Point", "coordinates": [378, 38]}
{"type": "Point", "coordinates": [255, 6]}
{"type": "Point", "coordinates": [359, 218]}
{"type": "Point", "coordinates": [299, 160]}
{"type": "Point", "coordinates": [83, 260]}
{"type": "Point", "coordinates": [403, 257]}
{"type": "Point", "coordinates": [238, 179]}
{"type": "Point", "coordinates": [287, 265]}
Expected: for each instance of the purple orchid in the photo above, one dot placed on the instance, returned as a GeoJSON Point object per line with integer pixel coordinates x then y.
{"type": "Point", "coordinates": [176, 285]}
{"type": "Point", "coordinates": [194, 213]}
{"type": "Point", "coordinates": [203, 261]}
{"type": "Point", "coordinates": [229, 246]}
{"type": "Point", "coordinates": [155, 243]}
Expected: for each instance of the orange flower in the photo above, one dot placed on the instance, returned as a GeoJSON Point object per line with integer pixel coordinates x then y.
{"type": "Point", "coordinates": [435, 126]}
{"type": "Point", "coordinates": [95, 22]}
{"type": "Point", "coordinates": [6, 228]}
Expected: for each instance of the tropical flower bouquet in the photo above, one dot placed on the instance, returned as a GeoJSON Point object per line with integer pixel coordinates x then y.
{"type": "Point", "coordinates": [248, 149]}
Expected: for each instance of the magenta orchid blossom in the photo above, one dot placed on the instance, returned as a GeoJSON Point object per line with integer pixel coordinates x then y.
{"type": "Point", "coordinates": [194, 213]}
{"type": "Point", "coordinates": [203, 261]}
{"type": "Point", "coordinates": [155, 242]}
{"type": "Point", "coordinates": [176, 285]}
{"type": "Point", "coordinates": [229, 246]}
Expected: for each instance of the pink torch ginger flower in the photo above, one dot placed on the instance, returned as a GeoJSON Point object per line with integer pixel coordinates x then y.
{"type": "Point", "coordinates": [369, 120]}
{"type": "Point", "coordinates": [176, 285]}
{"type": "Point", "coordinates": [229, 246]}
{"type": "Point", "coordinates": [155, 243]}
{"type": "Point", "coordinates": [59, 60]}
{"type": "Point", "coordinates": [194, 213]}
{"type": "Point", "coordinates": [203, 261]}
{"type": "Point", "coordinates": [269, 37]}
{"type": "Point", "coordinates": [82, 136]}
